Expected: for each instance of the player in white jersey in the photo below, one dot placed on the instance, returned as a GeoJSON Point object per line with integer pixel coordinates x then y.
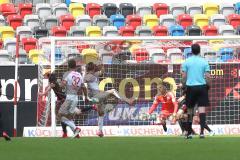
{"type": "Point", "coordinates": [106, 100]}
{"type": "Point", "coordinates": [73, 82]}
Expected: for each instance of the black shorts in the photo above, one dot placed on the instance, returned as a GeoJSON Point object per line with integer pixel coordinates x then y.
{"type": "Point", "coordinates": [197, 95]}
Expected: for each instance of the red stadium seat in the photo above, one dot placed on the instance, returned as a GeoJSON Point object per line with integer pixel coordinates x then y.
{"type": "Point", "coordinates": [234, 20]}
{"type": "Point", "coordinates": [126, 31]}
{"type": "Point", "coordinates": [140, 54]}
{"type": "Point", "coordinates": [29, 43]}
{"type": "Point", "coordinates": [160, 31]}
{"type": "Point", "coordinates": [184, 20]}
{"type": "Point", "coordinates": [67, 21]}
{"type": "Point", "coordinates": [7, 9]}
{"type": "Point", "coordinates": [93, 9]}
{"type": "Point", "coordinates": [160, 9]}
{"type": "Point", "coordinates": [14, 20]}
{"type": "Point", "coordinates": [25, 8]}
{"type": "Point", "coordinates": [134, 21]}
{"type": "Point", "coordinates": [59, 31]}
{"type": "Point", "coordinates": [210, 30]}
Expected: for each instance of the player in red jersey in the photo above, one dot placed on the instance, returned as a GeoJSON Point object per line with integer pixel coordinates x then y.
{"type": "Point", "coordinates": [169, 104]}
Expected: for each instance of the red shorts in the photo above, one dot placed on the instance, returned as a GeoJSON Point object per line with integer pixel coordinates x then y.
{"type": "Point", "coordinates": [165, 113]}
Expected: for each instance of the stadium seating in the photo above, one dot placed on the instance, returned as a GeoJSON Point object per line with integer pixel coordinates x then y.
{"type": "Point", "coordinates": [6, 32]}
{"type": "Point", "coordinates": [157, 55]}
{"type": "Point", "coordinates": [187, 52]}
{"type": "Point", "coordinates": [234, 20]}
{"type": "Point", "coordinates": [40, 32]}
{"type": "Point", "coordinates": [83, 21]}
{"type": "Point", "coordinates": [43, 10]}
{"type": "Point", "coordinates": [200, 20]}
{"type": "Point", "coordinates": [167, 20]}
{"type": "Point", "coordinates": [89, 55]}
{"type": "Point", "coordinates": [134, 21]}
{"type": "Point", "coordinates": [184, 20]}
{"type": "Point", "coordinates": [160, 9]}
{"type": "Point", "coordinates": [67, 21]}
{"type": "Point", "coordinates": [7, 9]}
{"type": "Point", "coordinates": [106, 56]}
{"type": "Point", "coordinates": [210, 30]}
{"type": "Point", "coordinates": [101, 21]}
{"type": "Point", "coordinates": [109, 9]}
{"type": "Point", "coordinates": [177, 9]}
{"type": "Point", "coordinates": [34, 55]}
{"type": "Point", "coordinates": [31, 20]}
{"type": "Point", "coordinates": [218, 20]}
{"type": "Point", "coordinates": [140, 55]}
{"type": "Point", "coordinates": [10, 45]}
{"type": "Point", "coordinates": [238, 30]}
{"type": "Point", "coordinates": [150, 20]}
{"type": "Point", "coordinates": [126, 31]}
{"type": "Point", "coordinates": [60, 9]}
{"type": "Point", "coordinates": [24, 9]}
{"type": "Point", "coordinates": [110, 31]}
{"type": "Point", "coordinates": [93, 31]}
{"type": "Point", "coordinates": [237, 8]}
{"type": "Point", "coordinates": [117, 20]}
{"type": "Point", "coordinates": [143, 9]}
{"type": "Point", "coordinates": [210, 8]}
{"type": "Point", "coordinates": [93, 9]}
{"type": "Point", "coordinates": [24, 31]}
{"type": "Point", "coordinates": [50, 22]}
{"type": "Point", "coordinates": [4, 57]}
{"type": "Point", "coordinates": [4, 1]}
{"type": "Point", "coordinates": [126, 9]}
{"type": "Point", "coordinates": [2, 21]}
{"type": "Point", "coordinates": [22, 59]}
{"type": "Point", "coordinates": [76, 9]}
{"type": "Point", "coordinates": [193, 31]}
{"type": "Point", "coordinates": [176, 30]}
{"type": "Point", "coordinates": [209, 54]}
{"type": "Point", "coordinates": [160, 31]}
{"type": "Point", "coordinates": [143, 31]}
{"type": "Point", "coordinates": [175, 55]}
{"type": "Point", "coordinates": [226, 30]}
{"type": "Point", "coordinates": [29, 43]}
{"type": "Point", "coordinates": [122, 57]}
{"type": "Point", "coordinates": [226, 9]}
{"type": "Point", "coordinates": [14, 20]}
{"type": "Point", "coordinates": [193, 9]}
{"type": "Point", "coordinates": [59, 31]}
{"type": "Point", "coordinates": [77, 31]}
{"type": "Point", "coordinates": [226, 54]}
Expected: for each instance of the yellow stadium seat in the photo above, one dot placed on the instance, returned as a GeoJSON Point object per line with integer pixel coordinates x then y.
{"type": "Point", "coordinates": [90, 55]}
{"type": "Point", "coordinates": [150, 20]}
{"type": "Point", "coordinates": [200, 20]}
{"type": "Point", "coordinates": [93, 31]}
{"type": "Point", "coordinates": [210, 8]}
{"type": "Point", "coordinates": [216, 44]}
{"type": "Point", "coordinates": [6, 32]}
{"type": "Point", "coordinates": [4, 1]}
{"type": "Point", "coordinates": [134, 47]}
{"type": "Point", "coordinates": [76, 9]}
{"type": "Point", "coordinates": [34, 55]}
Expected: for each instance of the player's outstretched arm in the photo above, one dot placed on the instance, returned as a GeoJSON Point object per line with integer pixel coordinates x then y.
{"type": "Point", "coordinates": [154, 106]}
{"type": "Point", "coordinates": [47, 89]}
{"type": "Point", "coordinates": [85, 92]}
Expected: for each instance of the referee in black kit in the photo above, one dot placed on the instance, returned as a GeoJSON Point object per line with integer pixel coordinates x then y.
{"type": "Point", "coordinates": [195, 74]}
{"type": "Point", "coordinates": [2, 133]}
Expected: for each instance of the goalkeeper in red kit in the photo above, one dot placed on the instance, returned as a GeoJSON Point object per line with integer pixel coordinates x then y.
{"type": "Point", "coordinates": [169, 104]}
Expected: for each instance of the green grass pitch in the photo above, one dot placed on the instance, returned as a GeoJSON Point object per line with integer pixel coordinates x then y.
{"type": "Point", "coordinates": [121, 148]}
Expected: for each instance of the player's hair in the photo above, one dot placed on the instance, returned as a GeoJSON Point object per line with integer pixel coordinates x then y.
{"type": "Point", "coordinates": [195, 49]}
{"type": "Point", "coordinates": [53, 79]}
{"type": "Point", "coordinates": [72, 64]}
{"type": "Point", "coordinates": [167, 85]}
{"type": "Point", "coordinates": [90, 66]}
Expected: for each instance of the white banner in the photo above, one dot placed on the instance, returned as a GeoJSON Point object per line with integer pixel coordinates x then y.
{"type": "Point", "coordinates": [151, 130]}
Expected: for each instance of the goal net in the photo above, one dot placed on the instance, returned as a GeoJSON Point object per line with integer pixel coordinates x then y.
{"type": "Point", "coordinates": [135, 66]}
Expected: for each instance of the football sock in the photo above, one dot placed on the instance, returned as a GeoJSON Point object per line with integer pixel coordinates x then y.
{"type": "Point", "coordinates": [202, 117]}
{"type": "Point", "coordinates": [100, 122]}
{"type": "Point", "coordinates": [207, 128]}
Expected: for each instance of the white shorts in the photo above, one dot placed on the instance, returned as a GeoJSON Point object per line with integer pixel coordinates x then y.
{"type": "Point", "coordinates": [68, 107]}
